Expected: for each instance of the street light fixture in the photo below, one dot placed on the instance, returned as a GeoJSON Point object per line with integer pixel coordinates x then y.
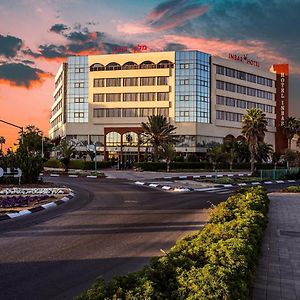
{"type": "Point", "coordinates": [11, 124]}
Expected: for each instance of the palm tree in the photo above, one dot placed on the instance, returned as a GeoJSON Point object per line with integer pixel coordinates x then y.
{"type": "Point", "coordinates": [290, 127]}
{"type": "Point", "coordinates": [254, 127]}
{"type": "Point", "coordinates": [170, 153]}
{"type": "Point", "coordinates": [264, 152]}
{"type": "Point", "coordinates": [2, 141]}
{"type": "Point", "coordinates": [158, 132]}
{"type": "Point", "coordinates": [66, 153]}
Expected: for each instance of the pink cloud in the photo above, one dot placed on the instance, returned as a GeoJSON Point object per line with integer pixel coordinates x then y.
{"type": "Point", "coordinates": [163, 20]}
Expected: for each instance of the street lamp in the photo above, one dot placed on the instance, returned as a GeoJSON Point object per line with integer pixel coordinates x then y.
{"type": "Point", "coordinates": [20, 127]}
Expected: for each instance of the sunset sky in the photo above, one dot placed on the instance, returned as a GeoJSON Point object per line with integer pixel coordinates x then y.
{"type": "Point", "coordinates": [37, 35]}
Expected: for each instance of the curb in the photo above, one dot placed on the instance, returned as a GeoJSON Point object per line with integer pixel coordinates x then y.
{"type": "Point", "coordinates": [71, 175]}
{"type": "Point", "coordinates": [191, 177]}
{"type": "Point", "coordinates": [189, 189]}
{"type": "Point", "coordinates": [37, 208]}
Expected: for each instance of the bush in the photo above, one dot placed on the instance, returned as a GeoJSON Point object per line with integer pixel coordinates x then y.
{"type": "Point", "coordinates": [78, 164]}
{"type": "Point", "coordinates": [218, 262]}
{"type": "Point", "coordinates": [292, 189]}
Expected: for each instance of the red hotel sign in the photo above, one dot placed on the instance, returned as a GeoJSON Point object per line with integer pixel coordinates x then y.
{"type": "Point", "coordinates": [282, 102]}
{"type": "Point", "coordinates": [244, 59]}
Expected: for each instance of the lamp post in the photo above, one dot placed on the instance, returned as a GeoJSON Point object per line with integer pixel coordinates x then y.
{"type": "Point", "coordinates": [20, 127]}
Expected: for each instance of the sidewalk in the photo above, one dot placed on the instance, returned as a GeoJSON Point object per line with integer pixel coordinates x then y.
{"type": "Point", "coordinates": [278, 272]}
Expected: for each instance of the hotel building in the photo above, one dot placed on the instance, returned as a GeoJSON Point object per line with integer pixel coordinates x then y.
{"type": "Point", "coordinates": [102, 99]}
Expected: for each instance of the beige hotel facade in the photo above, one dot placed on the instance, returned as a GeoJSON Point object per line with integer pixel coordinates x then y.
{"type": "Point", "coordinates": [102, 99]}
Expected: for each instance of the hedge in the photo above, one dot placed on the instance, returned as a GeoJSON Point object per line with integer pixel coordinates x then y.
{"type": "Point", "coordinates": [218, 262]}
{"type": "Point", "coordinates": [78, 164]}
{"type": "Point", "coordinates": [162, 166]}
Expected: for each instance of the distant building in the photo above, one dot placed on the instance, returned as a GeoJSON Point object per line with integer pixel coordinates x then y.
{"type": "Point", "coordinates": [102, 99]}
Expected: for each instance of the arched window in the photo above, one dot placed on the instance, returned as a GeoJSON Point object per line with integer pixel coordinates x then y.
{"type": "Point", "coordinates": [96, 67]}
{"type": "Point", "coordinates": [165, 64]}
{"type": "Point", "coordinates": [129, 66]}
{"type": "Point", "coordinates": [113, 66]}
{"type": "Point", "coordinates": [113, 139]}
{"type": "Point", "coordinates": [147, 65]}
{"type": "Point", "coordinates": [130, 139]}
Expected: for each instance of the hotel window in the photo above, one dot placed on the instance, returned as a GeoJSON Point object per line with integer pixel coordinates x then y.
{"type": "Point", "coordinates": [183, 81]}
{"type": "Point", "coordinates": [163, 111]}
{"type": "Point", "coordinates": [241, 103]}
{"type": "Point", "coordinates": [113, 112]}
{"type": "Point", "coordinates": [78, 115]}
{"type": "Point", "coordinates": [130, 81]}
{"type": "Point", "coordinates": [162, 96]}
{"type": "Point", "coordinates": [251, 92]}
{"type": "Point", "coordinates": [79, 84]}
{"type": "Point", "coordinates": [230, 72]}
{"type": "Point", "coordinates": [230, 101]}
{"type": "Point", "coordinates": [99, 82]}
{"type": "Point", "coordinates": [99, 112]}
{"type": "Point", "coordinates": [130, 112]}
{"type": "Point", "coordinates": [241, 75]}
{"type": "Point", "coordinates": [184, 98]}
{"type": "Point", "coordinates": [204, 67]}
{"type": "Point", "coordinates": [184, 66]}
{"type": "Point", "coordinates": [130, 97]}
{"type": "Point", "coordinates": [184, 114]}
{"type": "Point", "coordinates": [251, 104]}
{"type": "Point", "coordinates": [78, 100]}
{"type": "Point", "coordinates": [147, 80]}
{"type": "Point", "coordinates": [203, 83]}
{"type": "Point", "coordinates": [220, 85]}
{"type": "Point", "coordinates": [251, 78]}
{"type": "Point", "coordinates": [261, 80]}
{"type": "Point", "coordinates": [269, 82]}
{"type": "Point", "coordinates": [113, 82]}
{"type": "Point", "coordinates": [98, 98]}
{"type": "Point", "coordinates": [113, 97]}
{"type": "Point", "coordinates": [79, 70]}
{"type": "Point", "coordinates": [220, 70]}
{"type": "Point", "coordinates": [269, 109]}
{"type": "Point", "coordinates": [147, 97]}
{"type": "Point", "coordinates": [146, 112]}
{"type": "Point", "coordinates": [163, 80]}
{"type": "Point", "coordinates": [230, 87]}
{"type": "Point", "coordinates": [271, 122]}
{"type": "Point", "coordinates": [220, 100]}
{"type": "Point", "coordinates": [261, 106]}
{"type": "Point", "coordinates": [241, 89]}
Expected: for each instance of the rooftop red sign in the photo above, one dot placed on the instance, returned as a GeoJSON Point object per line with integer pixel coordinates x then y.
{"type": "Point", "coordinates": [244, 59]}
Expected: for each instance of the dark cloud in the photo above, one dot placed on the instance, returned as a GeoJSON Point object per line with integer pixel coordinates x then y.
{"type": "Point", "coordinates": [175, 47]}
{"type": "Point", "coordinates": [19, 74]}
{"type": "Point", "coordinates": [10, 45]}
{"type": "Point", "coordinates": [29, 52]}
{"type": "Point", "coordinates": [58, 28]}
{"type": "Point", "coordinates": [53, 51]}
{"type": "Point", "coordinates": [273, 22]}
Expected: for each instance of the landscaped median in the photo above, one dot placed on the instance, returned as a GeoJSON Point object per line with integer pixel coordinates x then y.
{"type": "Point", "coordinates": [18, 201]}
{"type": "Point", "coordinates": [219, 262]}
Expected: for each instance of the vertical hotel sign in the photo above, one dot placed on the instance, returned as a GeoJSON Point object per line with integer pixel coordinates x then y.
{"type": "Point", "coordinates": [282, 102]}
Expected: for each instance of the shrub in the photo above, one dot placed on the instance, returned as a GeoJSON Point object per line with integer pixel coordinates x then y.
{"type": "Point", "coordinates": [216, 263]}
{"type": "Point", "coordinates": [78, 164]}
{"type": "Point", "coordinates": [292, 189]}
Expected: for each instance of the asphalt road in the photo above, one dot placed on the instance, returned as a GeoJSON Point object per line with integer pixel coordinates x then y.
{"type": "Point", "coordinates": [110, 228]}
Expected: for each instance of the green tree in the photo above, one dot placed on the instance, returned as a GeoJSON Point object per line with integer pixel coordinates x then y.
{"type": "Point", "coordinates": [2, 141]}
{"type": "Point", "coordinates": [290, 127]}
{"type": "Point", "coordinates": [254, 127]}
{"type": "Point", "coordinates": [66, 152]}
{"type": "Point", "coordinates": [169, 153]}
{"type": "Point", "coordinates": [264, 152]}
{"type": "Point", "coordinates": [215, 154]}
{"type": "Point", "coordinates": [158, 132]}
